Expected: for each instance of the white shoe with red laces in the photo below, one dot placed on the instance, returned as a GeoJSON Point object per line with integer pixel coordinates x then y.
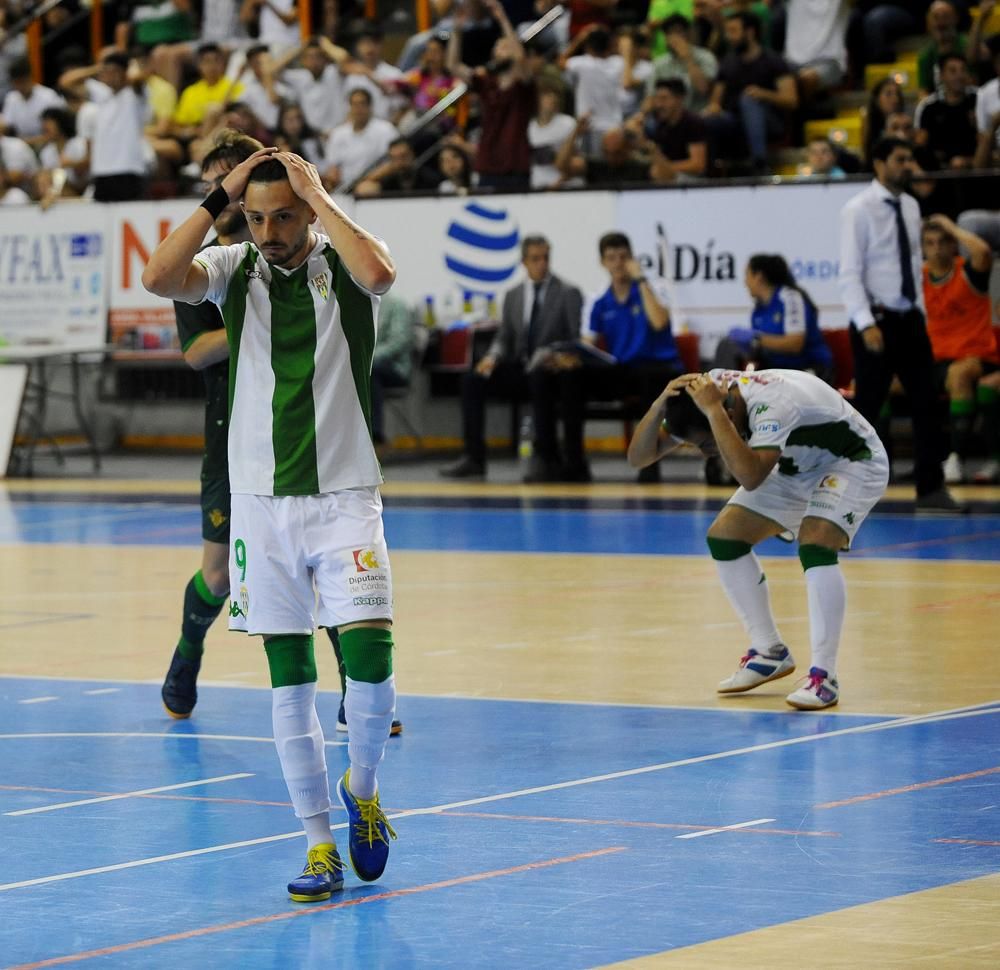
{"type": "Point", "coordinates": [758, 668]}
{"type": "Point", "coordinates": [819, 690]}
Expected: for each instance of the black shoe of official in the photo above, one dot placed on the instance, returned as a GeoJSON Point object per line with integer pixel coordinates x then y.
{"type": "Point", "coordinates": [650, 474]}
{"type": "Point", "coordinates": [575, 472]}
{"type": "Point", "coordinates": [179, 691]}
{"type": "Point", "coordinates": [465, 467]}
{"type": "Point", "coordinates": [940, 502]}
{"type": "Point", "coordinates": [542, 470]}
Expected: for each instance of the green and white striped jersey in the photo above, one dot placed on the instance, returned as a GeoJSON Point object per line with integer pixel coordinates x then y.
{"type": "Point", "coordinates": [796, 412]}
{"type": "Point", "coordinates": [300, 359]}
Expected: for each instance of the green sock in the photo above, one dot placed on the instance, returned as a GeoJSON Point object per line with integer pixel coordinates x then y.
{"type": "Point", "coordinates": [200, 610]}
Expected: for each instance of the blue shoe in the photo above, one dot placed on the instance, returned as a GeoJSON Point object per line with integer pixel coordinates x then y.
{"type": "Point", "coordinates": [369, 830]}
{"type": "Point", "coordinates": [322, 876]}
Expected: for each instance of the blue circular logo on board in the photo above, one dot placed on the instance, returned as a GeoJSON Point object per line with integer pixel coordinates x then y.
{"type": "Point", "coordinates": [481, 249]}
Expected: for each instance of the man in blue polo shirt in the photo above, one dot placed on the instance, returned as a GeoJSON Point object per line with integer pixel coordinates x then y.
{"type": "Point", "coordinates": [631, 321]}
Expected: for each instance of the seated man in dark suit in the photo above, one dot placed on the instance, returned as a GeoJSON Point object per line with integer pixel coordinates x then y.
{"type": "Point", "coordinates": [531, 355]}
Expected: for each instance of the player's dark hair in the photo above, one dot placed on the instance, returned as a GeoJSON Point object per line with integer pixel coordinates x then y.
{"type": "Point", "coordinates": [613, 240]}
{"type": "Point", "coordinates": [270, 171]}
{"type": "Point", "coordinates": [363, 91]}
{"type": "Point", "coordinates": [231, 147]}
{"type": "Point", "coordinates": [884, 147]}
{"type": "Point", "coordinates": [210, 48]}
{"type": "Point", "coordinates": [777, 273]}
{"type": "Point", "coordinates": [683, 416]}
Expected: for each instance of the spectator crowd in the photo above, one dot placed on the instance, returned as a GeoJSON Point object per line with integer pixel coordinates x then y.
{"type": "Point", "coordinates": [621, 93]}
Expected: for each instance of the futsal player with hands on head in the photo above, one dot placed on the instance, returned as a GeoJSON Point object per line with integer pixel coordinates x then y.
{"type": "Point", "coordinates": [307, 547]}
{"type": "Point", "coordinates": [809, 468]}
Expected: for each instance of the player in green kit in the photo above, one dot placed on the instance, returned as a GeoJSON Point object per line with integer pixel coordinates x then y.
{"type": "Point", "coordinates": [203, 339]}
{"type": "Point", "coordinates": [307, 548]}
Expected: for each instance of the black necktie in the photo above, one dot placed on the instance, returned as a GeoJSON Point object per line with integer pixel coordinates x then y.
{"type": "Point", "coordinates": [536, 312]}
{"type": "Point", "coordinates": [905, 255]}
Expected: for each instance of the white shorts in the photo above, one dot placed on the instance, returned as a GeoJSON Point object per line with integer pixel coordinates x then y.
{"type": "Point", "coordinates": [843, 493]}
{"type": "Point", "coordinates": [298, 561]}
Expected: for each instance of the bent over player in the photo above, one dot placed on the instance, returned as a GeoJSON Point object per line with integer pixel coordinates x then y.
{"type": "Point", "coordinates": [307, 544]}
{"type": "Point", "coordinates": [810, 467]}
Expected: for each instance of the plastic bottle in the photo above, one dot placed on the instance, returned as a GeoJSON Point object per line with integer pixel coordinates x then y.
{"type": "Point", "coordinates": [467, 306]}
{"type": "Point", "coordinates": [526, 442]}
{"type": "Point", "coordinates": [491, 307]}
{"type": "Point", "coordinates": [430, 320]}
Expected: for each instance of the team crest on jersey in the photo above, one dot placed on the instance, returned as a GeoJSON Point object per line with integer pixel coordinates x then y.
{"type": "Point", "coordinates": [322, 287]}
{"type": "Point", "coordinates": [365, 560]}
{"type": "Point", "coordinates": [830, 481]}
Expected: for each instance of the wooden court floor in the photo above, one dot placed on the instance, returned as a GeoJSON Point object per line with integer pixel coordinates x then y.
{"type": "Point", "coordinates": [486, 619]}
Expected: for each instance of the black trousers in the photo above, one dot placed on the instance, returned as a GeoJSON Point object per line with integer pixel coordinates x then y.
{"type": "Point", "coordinates": [118, 188]}
{"type": "Point", "coordinates": [907, 354]}
{"type": "Point", "coordinates": [641, 381]}
{"type": "Point", "coordinates": [551, 393]}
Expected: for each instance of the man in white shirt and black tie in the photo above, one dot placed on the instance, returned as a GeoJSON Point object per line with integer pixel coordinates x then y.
{"type": "Point", "coordinates": [531, 356]}
{"type": "Point", "coordinates": [880, 279]}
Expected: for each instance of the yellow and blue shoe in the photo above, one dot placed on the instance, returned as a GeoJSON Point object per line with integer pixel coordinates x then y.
{"type": "Point", "coordinates": [322, 876]}
{"type": "Point", "coordinates": [369, 831]}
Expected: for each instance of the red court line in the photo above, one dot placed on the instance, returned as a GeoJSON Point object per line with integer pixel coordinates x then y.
{"type": "Point", "coordinates": [965, 842]}
{"type": "Point", "coordinates": [310, 910]}
{"type": "Point", "coordinates": [909, 788]}
{"type": "Point", "coordinates": [942, 605]}
{"type": "Point", "coordinates": [632, 824]}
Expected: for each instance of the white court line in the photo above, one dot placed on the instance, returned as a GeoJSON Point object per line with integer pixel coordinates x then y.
{"type": "Point", "coordinates": [38, 700]}
{"type": "Point", "coordinates": [436, 809]}
{"type": "Point", "coordinates": [141, 734]}
{"type": "Point", "coordinates": [103, 690]}
{"type": "Point", "coordinates": [131, 794]}
{"type": "Point", "coordinates": [725, 828]}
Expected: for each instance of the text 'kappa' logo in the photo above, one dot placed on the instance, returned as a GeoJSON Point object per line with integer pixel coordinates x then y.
{"type": "Point", "coordinates": [365, 560]}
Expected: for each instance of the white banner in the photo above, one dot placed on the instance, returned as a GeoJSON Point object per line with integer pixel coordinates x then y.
{"type": "Point", "coordinates": [53, 288]}
{"type": "Point", "coordinates": [701, 239]}
{"type": "Point", "coordinates": [138, 321]}
{"type": "Point", "coordinates": [452, 248]}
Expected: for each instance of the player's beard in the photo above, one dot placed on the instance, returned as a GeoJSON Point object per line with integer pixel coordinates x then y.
{"type": "Point", "coordinates": [287, 257]}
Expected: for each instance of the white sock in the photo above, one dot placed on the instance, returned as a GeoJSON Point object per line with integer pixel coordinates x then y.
{"type": "Point", "coordinates": [745, 585]}
{"type": "Point", "coordinates": [369, 709]}
{"type": "Point", "coordinates": [827, 594]}
{"type": "Point", "coordinates": [318, 829]}
{"type": "Point", "coordinates": [301, 749]}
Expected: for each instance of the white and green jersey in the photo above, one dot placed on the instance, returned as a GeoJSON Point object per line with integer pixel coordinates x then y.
{"type": "Point", "coordinates": [802, 416]}
{"type": "Point", "coordinates": [300, 359]}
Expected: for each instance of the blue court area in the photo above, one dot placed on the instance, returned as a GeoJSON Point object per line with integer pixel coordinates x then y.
{"type": "Point", "coordinates": [634, 527]}
{"type": "Point", "coordinates": [530, 834]}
